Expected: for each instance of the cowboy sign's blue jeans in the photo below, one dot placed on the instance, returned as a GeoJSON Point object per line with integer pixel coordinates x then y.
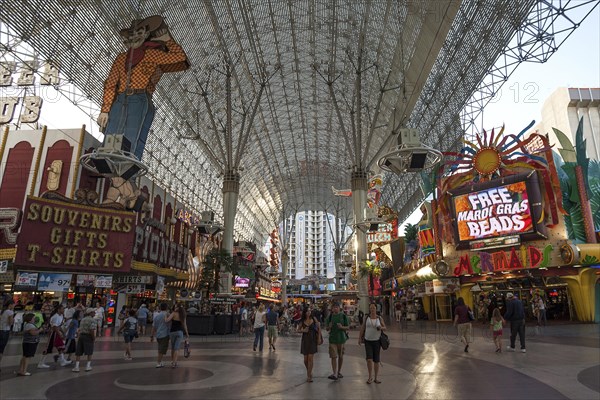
{"type": "Point", "coordinates": [131, 116]}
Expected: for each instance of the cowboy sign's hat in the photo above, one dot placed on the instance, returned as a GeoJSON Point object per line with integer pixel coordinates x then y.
{"type": "Point", "coordinates": [151, 24]}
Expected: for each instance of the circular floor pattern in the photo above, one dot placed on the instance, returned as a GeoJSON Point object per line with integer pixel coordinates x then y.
{"type": "Point", "coordinates": [590, 377]}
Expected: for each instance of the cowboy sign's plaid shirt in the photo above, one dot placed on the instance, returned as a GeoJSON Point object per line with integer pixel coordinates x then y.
{"type": "Point", "coordinates": [146, 74]}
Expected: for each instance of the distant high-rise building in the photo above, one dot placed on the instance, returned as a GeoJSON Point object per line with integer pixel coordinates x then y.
{"type": "Point", "coordinates": [312, 244]}
{"type": "Point", "coordinates": [563, 109]}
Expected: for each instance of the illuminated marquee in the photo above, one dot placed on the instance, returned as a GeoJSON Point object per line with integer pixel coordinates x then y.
{"type": "Point", "coordinates": [497, 209]}
{"type": "Point", "coordinates": [503, 261]}
{"type": "Point", "coordinates": [384, 233]}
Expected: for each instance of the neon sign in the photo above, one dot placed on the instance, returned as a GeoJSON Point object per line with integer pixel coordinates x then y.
{"type": "Point", "coordinates": [503, 261]}
{"type": "Point", "coordinates": [493, 212]}
{"type": "Point", "coordinates": [498, 209]}
{"type": "Point", "coordinates": [384, 233]}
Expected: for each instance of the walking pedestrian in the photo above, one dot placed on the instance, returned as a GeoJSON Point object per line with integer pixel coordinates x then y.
{"type": "Point", "coordinates": [398, 308]}
{"type": "Point", "coordinates": [496, 324]}
{"type": "Point", "coordinates": [272, 318]}
{"type": "Point", "coordinates": [370, 335]}
{"type": "Point", "coordinates": [243, 320]}
{"type": "Point", "coordinates": [311, 331]}
{"type": "Point", "coordinates": [142, 317]}
{"type": "Point", "coordinates": [57, 339]}
{"type": "Point", "coordinates": [515, 314]}
{"type": "Point", "coordinates": [86, 339]}
{"type": "Point", "coordinates": [46, 310]}
{"type": "Point", "coordinates": [541, 311]}
{"type": "Point", "coordinates": [70, 326]}
{"type": "Point", "coordinates": [337, 325]}
{"type": "Point", "coordinates": [461, 318]}
{"type": "Point", "coordinates": [259, 327]}
{"type": "Point", "coordinates": [178, 328]}
{"type": "Point", "coordinates": [160, 330]}
{"type": "Point", "coordinates": [129, 330]}
{"type": "Point", "coordinates": [31, 338]}
{"type": "Point", "coordinates": [99, 317]}
{"type": "Point", "coordinates": [7, 318]}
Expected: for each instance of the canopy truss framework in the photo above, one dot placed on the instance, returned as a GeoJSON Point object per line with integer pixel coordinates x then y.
{"type": "Point", "coordinates": [294, 151]}
{"type": "Point", "coordinates": [546, 27]}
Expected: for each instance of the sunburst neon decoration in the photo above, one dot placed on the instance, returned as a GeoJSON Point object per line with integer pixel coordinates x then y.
{"type": "Point", "coordinates": [495, 154]}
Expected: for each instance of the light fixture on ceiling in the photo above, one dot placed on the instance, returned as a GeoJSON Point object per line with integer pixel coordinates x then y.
{"type": "Point", "coordinates": [114, 159]}
{"type": "Point", "coordinates": [409, 155]}
{"type": "Point", "coordinates": [207, 224]}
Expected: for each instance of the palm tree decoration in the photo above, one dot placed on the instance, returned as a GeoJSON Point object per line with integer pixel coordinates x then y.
{"type": "Point", "coordinates": [372, 270]}
{"type": "Point", "coordinates": [410, 232]}
{"type": "Point", "coordinates": [580, 193]}
{"type": "Point", "coordinates": [215, 262]}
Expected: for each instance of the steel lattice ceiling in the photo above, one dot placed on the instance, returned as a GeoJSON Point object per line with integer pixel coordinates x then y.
{"type": "Point", "coordinates": [296, 148]}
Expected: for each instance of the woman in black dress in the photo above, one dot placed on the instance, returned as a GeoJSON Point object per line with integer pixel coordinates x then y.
{"type": "Point", "coordinates": [311, 331]}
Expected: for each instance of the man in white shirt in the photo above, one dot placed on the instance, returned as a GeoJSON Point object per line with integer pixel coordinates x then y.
{"type": "Point", "coordinates": [57, 339]}
{"type": "Point", "coordinates": [69, 310]}
{"type": "Point", "coordinates": [99, 317]}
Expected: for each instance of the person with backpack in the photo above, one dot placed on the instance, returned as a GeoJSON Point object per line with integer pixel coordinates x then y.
{"type": "Point", "coordinates": [337, 326]}
{"type": "Point", "coordinates": [130, 331]}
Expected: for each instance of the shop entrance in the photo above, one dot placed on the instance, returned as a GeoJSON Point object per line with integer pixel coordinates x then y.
{"type": "Point", "coordinates": [443, 307]}
{"type": "Point", "coordinates": [558, 304]}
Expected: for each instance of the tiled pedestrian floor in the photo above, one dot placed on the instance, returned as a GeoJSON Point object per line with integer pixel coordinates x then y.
{"type": "Point", "coordinates": [425, 361]}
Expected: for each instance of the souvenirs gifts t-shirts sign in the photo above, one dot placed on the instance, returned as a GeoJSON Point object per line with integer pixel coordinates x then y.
{"type": "Point", "coordinates": [66, 236]}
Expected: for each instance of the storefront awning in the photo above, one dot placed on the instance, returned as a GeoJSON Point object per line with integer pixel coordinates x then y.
{"type": "Point", "coordinates": [153, 268]}
{"type": "Point", "coordinates": [415, 277]}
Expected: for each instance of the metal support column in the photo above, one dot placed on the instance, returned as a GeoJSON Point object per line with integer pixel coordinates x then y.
{"type": "Point", "coordinates": [359, 202]}
{"type": "Point", "coordinates": [231, 190]}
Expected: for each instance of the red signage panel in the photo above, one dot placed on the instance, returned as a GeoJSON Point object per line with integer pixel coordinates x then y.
{"type": "Point", "coordinates": [66, 236]}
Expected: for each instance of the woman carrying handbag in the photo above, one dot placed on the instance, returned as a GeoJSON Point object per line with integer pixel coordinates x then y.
{"type": "Point", "coordinates": [370, 335]}
{"type": "Point", "coordinates": [311, 339]}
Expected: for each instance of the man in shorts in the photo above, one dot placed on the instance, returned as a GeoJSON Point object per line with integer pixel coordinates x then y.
{"type": "Point", "coordinates": [272, 325]}
{"type": "Point", "coordinates": [142, 317]}
{"type": "Point", "coordinates": [85, 341]}
{"type": "Point", "coordinates": [57, 339]}
{"type": "Point", "coordinates": [337, 325]}
{"type": "Point", "coordinates": [160, 330]}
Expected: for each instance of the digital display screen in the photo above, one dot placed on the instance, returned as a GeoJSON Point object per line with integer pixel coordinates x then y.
{"type": "Point", "coordinates": [499, 211]}
{"type": "Point", "coordinates": [242, 282]}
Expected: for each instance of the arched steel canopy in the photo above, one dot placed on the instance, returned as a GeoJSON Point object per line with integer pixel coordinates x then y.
{"type": "Point", "coordinates": [296, 63]}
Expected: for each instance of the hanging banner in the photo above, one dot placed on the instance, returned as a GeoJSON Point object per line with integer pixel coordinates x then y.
{"type": "Point", "coordinates": [27, 279]}
{"type": "Point", "coordinates": [85, 280]}
{"type": "Point", "coordinates": [103, 281]}
{"type": "Point", "coordinates": [54, 282]}
{"type": "Point", "coordinates": [66, 236]}
{"type": "Point", "coordinates": [3, 266]}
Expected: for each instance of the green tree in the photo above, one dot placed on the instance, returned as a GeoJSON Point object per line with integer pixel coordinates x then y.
{"type": "Point", "coordinates": [215, 262]}
{"type": "Point", "coordinates": [372, 270]}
